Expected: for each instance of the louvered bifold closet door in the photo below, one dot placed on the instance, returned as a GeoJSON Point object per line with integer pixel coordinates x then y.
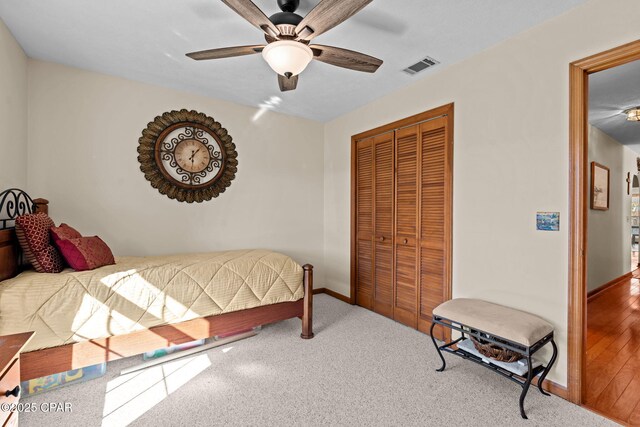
{"type": "Point", "coordinates": [383, 224]}
{"type": "Point", "coordinates": [401, 198]}
{"type": "Point", "coordinates": [406, 292]}
{"type": "Point", "coordinates": [364, 223]}
{"type": "Point", "coordinates": [434, 229]}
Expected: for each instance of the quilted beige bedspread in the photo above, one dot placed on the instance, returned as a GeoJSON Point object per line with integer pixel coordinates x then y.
{"type": "Point", "coordinates": [140, 292]}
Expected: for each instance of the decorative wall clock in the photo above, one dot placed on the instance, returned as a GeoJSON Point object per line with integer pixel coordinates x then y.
{"type": "Point", "coordinates": [187, 156]}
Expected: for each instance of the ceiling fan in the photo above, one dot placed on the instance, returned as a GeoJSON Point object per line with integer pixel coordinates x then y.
{"type": "Point", "coordinates": [288, 35]}
{"type": "Point", "coordinates": [607, 112]}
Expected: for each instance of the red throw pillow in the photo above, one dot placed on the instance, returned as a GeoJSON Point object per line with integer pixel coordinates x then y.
{"type": "Point", "coordinates": [63, 232]}
{"type": "Point", "coordinates": [32, 231]}
{"type": "Point", "coordinates": [86, 253]}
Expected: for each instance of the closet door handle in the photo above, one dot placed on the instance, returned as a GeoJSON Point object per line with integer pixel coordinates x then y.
{"type": "Point", "coordinates": [406, 241]}
{"type": "Point", "coordinates": [382, 238]}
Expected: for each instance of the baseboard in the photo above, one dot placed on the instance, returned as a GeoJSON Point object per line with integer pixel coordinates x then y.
{"type": "Point", "coordinates": [553, 388]}
{"type": "Point", "coordinates": [594, 293]}
{"type": "Point", "coordinates": [332, 294]}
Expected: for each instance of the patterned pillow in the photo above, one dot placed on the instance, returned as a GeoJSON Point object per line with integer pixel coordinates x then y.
{"type": "Point", "coordinates": [62, 232]}
{"type": "Point", "coordinates": [32, 231]}
{"type": "Point", "coordinates": [85, 253]}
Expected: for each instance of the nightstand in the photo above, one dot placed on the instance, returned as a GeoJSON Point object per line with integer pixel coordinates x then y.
{"type": "Point", "coordinates": [10, 348]}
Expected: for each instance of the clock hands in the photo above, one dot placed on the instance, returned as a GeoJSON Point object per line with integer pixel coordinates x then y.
{"type": "Point", "coordinates": [193, 154]}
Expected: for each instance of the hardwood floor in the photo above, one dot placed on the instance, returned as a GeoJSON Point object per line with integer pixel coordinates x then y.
{"type": "Point", "coordinates": [613, 352]}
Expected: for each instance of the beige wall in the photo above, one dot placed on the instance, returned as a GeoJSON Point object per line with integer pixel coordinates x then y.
{"type": "Point", "coordinates": [13, 112]}
{"type": "Point", "coordinates": [609, 251]}
{"type": "Point", "coordinates": [83, 135]}
{"type": "Point", "coordinates": [511, 160]}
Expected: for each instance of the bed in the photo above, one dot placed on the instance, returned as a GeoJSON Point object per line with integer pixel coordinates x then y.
{"type": "Point", "coordinates": [140, 303]}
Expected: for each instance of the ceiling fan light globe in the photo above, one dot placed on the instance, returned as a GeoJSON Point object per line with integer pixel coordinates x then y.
{"type": "Point", "coordinates": [633, 114]}
{"type": "Point", "coordinates": [287, 56]}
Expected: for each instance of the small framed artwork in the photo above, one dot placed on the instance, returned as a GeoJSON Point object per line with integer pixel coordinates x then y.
{"type": "Point", "coordinates": [548, 221]}
{"type": "Point", "coordinates": [599, 187]}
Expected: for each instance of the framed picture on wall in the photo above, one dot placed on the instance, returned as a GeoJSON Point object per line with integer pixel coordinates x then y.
{"type": "Point", "coordinates": [599, 187]}
{"type": "Point", "coordinates": [548, 221]}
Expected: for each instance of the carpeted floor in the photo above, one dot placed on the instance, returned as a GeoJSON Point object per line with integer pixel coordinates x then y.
{"type": "Point", "coordinates": [360, 369]}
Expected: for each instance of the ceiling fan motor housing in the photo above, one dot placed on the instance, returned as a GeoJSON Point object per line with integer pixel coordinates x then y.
{"type": "Point", "coordinates": [287, 20]}
{"type": "Point", "coordinates": [286, 23]}
{"type": "Point", "coordinates": [288, 5]}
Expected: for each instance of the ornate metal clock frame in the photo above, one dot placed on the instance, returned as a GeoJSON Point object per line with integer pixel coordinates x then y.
{"type": "Point", "coordinates": [187, 156]}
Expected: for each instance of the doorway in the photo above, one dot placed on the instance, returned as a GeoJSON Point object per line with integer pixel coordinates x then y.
{"type": "Point", "coordinates": [579, 205]}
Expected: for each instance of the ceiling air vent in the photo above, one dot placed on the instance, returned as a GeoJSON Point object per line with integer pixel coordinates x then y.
{"type": "Point", "coordinates": [427, 62]}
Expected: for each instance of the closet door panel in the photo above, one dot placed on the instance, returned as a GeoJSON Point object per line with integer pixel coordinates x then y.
{"type": "Point", "coordinates": [383, 224]}
{"type": "Point", "coordinates": [383, 303]}
{"type": "Point", "coordinates": [405, 301]}
{"type": "Point", "coordinates": [407, 181]}
{"type": "Point", "coordinates": [433, 204]}
{"type": "Point", "coordinates": [364, 224]}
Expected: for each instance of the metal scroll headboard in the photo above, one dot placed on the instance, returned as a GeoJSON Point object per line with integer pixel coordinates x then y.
{"type": "Point", "coordinates": [13, 203]}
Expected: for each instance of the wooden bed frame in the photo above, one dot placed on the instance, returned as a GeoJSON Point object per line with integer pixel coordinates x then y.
{"type": "Point", "coordinates": [39, 363]}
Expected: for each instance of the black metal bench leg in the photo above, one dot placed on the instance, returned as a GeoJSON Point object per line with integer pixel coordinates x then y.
{"type": "Point", "coordinates": [548, 368]}
{"type": "Point", "coordinates": [444, 363]}
{"type": "Point", "coordinates": [525, 388]}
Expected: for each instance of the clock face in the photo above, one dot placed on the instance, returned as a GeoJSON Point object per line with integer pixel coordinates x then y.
{"type": "Point", "coordinates": [187, 156]}
{"type": "Point", "coordinates": [192, 155]}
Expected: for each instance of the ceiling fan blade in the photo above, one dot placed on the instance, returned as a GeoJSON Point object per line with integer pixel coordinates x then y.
{"type": "Point", "coordinates": [287, 83]}
{"type": "Point", "coordinates": [326, 15]}
{"type": "Point", "coordinates": [252, 13]}
{"type": "Point", "coordinates": [346, 58]}
{"type": "Point", "coordinates": [225, 52]}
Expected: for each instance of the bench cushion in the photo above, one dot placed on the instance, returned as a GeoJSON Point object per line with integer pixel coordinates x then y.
{"type": "Point", "coordinates": [508, 323]}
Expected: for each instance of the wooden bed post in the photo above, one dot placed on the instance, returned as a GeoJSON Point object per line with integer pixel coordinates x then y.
{"type": "Point", "coordinates": [307, 317]}
{"type": "Point", "coordinates": [41, 205]}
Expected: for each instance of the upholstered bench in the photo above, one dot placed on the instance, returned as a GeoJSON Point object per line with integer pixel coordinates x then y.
{"type": "Point", "coordinates": [494, 324]}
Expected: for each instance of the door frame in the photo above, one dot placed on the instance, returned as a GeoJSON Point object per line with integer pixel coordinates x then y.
{"type": "Point", "coordinates": [445, 110]}
{"type": "Point", "coordinates": [579, 72]}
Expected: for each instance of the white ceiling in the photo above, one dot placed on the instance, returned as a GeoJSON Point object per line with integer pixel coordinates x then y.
{"type": "Point", "coordinates": [146, 40]}
{"type": "Point", "coordinates": [610, 93]}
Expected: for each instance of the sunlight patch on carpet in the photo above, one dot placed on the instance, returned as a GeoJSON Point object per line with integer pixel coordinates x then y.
{"type": "Point", "coordinates": [130, 396]}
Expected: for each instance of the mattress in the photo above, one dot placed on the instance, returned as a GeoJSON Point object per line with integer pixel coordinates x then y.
{"type": "Point", "coordinates": [141, 292]}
